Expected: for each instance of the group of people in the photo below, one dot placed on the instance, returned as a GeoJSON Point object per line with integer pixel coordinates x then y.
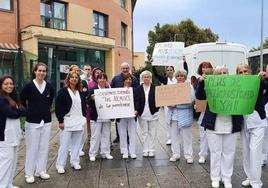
{"type": "Point", "coordinates": [77, 115]}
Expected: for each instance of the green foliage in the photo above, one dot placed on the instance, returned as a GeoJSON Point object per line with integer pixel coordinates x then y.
{"type": "Point", "coordinates": [186, 31]}
{"type": "Point", "coordinates": [265, 45]}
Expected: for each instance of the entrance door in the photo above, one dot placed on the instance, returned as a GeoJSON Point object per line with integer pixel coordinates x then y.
{"type": "Point", "coordinates": [63, 70]}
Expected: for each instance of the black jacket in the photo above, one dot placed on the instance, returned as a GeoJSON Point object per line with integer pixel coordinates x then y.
{"type": "Point", "coordinates": [64, 103]}
{"type": "Point", "coordinates": [139, 100]}
{"type": "Point", "coordinates": [209, 118]}
{"type": "Point", "coordinates": [7, 112]}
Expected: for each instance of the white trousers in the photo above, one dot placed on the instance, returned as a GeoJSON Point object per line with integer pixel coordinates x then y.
{"type": "Point", "coordinates": [84, 138]}
{"type": "Point", "coordinates": [37, 145]}
{"type": "Point", "coordinates": [8, 164]}
{"type": "Point", "coordinates": [168, 124]}
{"type": "Point", "coordinates": [127, 126]}
{"type": "Point", "coordinates": [148, 129]}
{"type": "Point", "coordinates": [252, 140]}
{"type": "Point", "coordinates": [265, 145]}
{"type": "Point", "coordinates": [203, 142]}
{"type": "Point", "coordinates": [69, 140]}
{"type": "Point", "coordinates": [222, 153]}
{"type": "Point", "coordinates": [181, 136]}
{"type": "Point", "coordinates": [100, 138]}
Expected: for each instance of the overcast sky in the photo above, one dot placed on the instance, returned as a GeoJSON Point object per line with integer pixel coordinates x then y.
{"type": "Point", "coordinates": [237, 21]}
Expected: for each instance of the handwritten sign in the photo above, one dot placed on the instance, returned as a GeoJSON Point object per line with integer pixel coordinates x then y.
{"type": "Point", "coordinates": [232, 94]}
{"type": "Point", "coordinates": [168, 95]}
{"type": "Point", "coordinates": [167, 53]}
{"type": "Point", "coordinates": [200, 105]}
{"type": "Point", "coordinates": [114, 103]}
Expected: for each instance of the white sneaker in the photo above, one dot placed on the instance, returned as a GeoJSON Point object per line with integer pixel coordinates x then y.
{"type": "Point", "coordinates": [76, 166]}
{"type": "Point", "coordinates": [29, 179]}
{"type": "Point", "coordinates": [15, 186]}
{"type": "Point", "coordinates": [60, 170]}
{"type": "Point", "coordinates": [92, 158]}
{"type": "Point", "coordinates": [108, 156]}
{"type": "Point", "coordinates": [43, 175]}
{"type": "Point", "coordinates": [145, 154]}
{"type": "Point", "coordinates": [227, 185]}
{"type": "Point", "coordinates": [202, 160]}
{"type": "Point", "coordinates": [168, 142]}
{"type": "Point", "coordinates": [125, 156]}
{"type": "Point", "coordinates": [174, 158]}
{"type": "Point", "coordinates": [151, 154]}
{"type": "Point", "coordinates": [246, 183]}
{"type": "Point", "coordinates": [215, 184]}
{"type": "Point", "coordinates": [81, 153]}
{"type": "Point", "coordinates": [133, 156]}
{"type": "Point", "coordinates": [190, 161]}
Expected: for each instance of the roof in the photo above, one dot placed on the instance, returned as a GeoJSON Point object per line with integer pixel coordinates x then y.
{"type": "Point", "coordinates": [258, 53]}
{"type": "Point", "coordinates": [8, 46]}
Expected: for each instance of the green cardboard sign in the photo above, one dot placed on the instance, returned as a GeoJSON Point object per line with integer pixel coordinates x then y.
{"type": "Point", "coordinates": [232, 94]}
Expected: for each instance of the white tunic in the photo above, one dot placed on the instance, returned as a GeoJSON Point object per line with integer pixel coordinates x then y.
{"type": "Point", "coordinates": [12, 133]}
{"type": "Point", "coordinates": [74, 120]}
{"type": "Point", "coordinates": [254, 121]}
{"type": "Point", "coordinates": [223, 125]}
{"type": "Point", "coordinates": [146, 115]}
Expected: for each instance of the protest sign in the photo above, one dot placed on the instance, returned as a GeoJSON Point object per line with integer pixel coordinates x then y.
{"type": "Point", "coordinates": [168, 95]}
{"type": "Point", "coordinates": [200, 105]}
{"type": "Point", "coordinates": [232, 94]}
{"type": "Point", "coordinates": [114, 103]}
{"type": "Point", "coordinates": [167, 53]}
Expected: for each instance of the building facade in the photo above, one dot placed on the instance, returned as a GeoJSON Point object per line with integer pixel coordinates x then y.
{"type": "Point", "coordinates": [254, 60]}
{"type": "Point", "coordinates": [65, 32]}
{"type": "Point", "coordinates": [138, 60]}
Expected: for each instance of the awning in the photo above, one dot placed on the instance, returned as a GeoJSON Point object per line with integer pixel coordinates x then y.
{"type": "Point", "coordinates": [8, 47]}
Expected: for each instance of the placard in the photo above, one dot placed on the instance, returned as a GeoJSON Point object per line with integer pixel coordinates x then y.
{"type": "Point", "coordinates": [200, 105]}
{"type": "Point", "coordinates": [168, 53]}
{"type": "Point", "coordinates": [113, 103]}
{"type": "Point", "coordinates": [168, 95]}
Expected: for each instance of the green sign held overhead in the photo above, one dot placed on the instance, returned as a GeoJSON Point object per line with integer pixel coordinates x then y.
{"type": "Point", "coordinates": [232, 94]}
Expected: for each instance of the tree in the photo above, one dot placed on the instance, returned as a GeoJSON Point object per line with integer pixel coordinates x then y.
{"type": "Point", "coordinates": [186, 31]}
{"type": "Point", "coordinates": [265, 45]}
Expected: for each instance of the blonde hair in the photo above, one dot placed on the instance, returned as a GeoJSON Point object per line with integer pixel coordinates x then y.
{"type": "Point", "coordinates": [242, 65]}
{"type": "Point", "coordinates": [220, 68]}
{"type": "Point", "coordinates": [181, 72]}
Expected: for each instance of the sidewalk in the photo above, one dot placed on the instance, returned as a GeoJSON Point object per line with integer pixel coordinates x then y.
{"type": "Point", "coordinates": [139, 173]}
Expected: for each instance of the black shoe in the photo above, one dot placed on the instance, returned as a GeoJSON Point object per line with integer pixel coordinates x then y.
{"type": "Point", "coordinates": [116, 140]}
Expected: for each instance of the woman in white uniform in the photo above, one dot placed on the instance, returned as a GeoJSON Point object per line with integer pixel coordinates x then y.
{"type": "Point", "coordinates": [37, 97]}
{"type": "Point", "coordinates": [10, 131]}
{"type": "Point", "coordinates": [71, 113]}
{"type": "Point", "coordinates": [148, 113]}
{"type": "Point", "coordinates": [181, 120]}
{"type": "Point", "coordinates": [100, 128]}
{"type": "Point", "coordinates": [127, 126]}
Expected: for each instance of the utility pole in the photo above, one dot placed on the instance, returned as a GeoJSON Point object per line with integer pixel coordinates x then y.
{"type": "Point", "coordinates": [261, 47]}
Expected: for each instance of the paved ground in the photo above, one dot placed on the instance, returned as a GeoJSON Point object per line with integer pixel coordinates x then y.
{"type": "Point", "coordinates": [139, 173]}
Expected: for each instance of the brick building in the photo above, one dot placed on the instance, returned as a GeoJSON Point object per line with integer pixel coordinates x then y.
{"type": "Point", "coordinates": [60, 33]}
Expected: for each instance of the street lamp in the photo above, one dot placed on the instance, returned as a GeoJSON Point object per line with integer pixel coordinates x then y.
{"type": "Point", "coordinates": [261, 48]}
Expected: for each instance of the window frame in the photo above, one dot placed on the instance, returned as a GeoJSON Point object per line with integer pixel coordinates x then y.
{"type": "Point", "coordinates": [123, 4]}
{"type": "Point", "coordinates": [123, 34]}
{"type": "Point", "coordinates": [53, 18]}
{"type": "Point", "coordinates": [8, 10]}
{"type": "Point", "coordinates": [98, 29]}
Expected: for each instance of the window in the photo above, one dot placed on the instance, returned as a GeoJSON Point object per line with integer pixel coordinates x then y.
{"type": "Point", "coordinates": [53, 14]}
{"type": "Point", "coordinates": [100, 24]}
{"type": "Point", "coordinates": [123, 35]}
{"type": "Point", "coordinates": [123, 3]}
{"type": "Point", "coordinates": [6, 5]}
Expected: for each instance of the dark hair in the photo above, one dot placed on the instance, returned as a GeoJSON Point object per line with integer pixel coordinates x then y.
{"type": "Point", "coordinates": [12, 97]}
{"type": "Point", "coordinates": [171, 67]}
{"type": "Point", "coordinates": [36, 67]}
{"type": "Point", "coordinates": [93, 72]}
{"type": "Point", "coordinates": [127, 76]}
{"type": "Point", "coordinates": [102, 75]}
{"type": "Point", "coordinates": [199, 70]}
{"type": "Point", "coordinates": [67, 80]}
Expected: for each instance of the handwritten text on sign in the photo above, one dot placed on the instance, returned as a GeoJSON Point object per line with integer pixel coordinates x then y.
{"type": "Point", "coordinates": [167, 53]}
{"type": "Point", "coordinates": [114, 103]}
{"type": "Point", "coordinates": [232, 94]}
{"type": "Point", "coordinates": [168, 95]}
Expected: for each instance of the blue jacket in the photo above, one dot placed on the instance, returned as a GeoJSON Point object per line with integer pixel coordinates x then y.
{"type": "Point", "coordinates": [209, 117]}
{"type": "Point", "coordinates": [7, 112]}
{"type": "Point", "coordinates": [64, 103]}
{"type": "Point", "coordinates": [117, 81]}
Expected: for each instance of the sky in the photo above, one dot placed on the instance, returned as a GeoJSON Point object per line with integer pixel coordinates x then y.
{"type": "Point", "coordinates": [237, 21]}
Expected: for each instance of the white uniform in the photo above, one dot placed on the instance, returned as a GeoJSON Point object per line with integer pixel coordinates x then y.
{"type": "Point", "coordinates": [265, 142]}
{"type": "Point", "coordinates": [8, 152]}
{"type": "Point", "coordinates": [252, 136]}
{"type": "Point", "coordinates": [203, 138]}
{"type": "Point", "coordinates": [221, 144]}
{"type": "Point", "coordinates": [71, 135]}
{"type": "Point", "coordinates": [148, 123]}
{"type": "Point", "coordinates": [127, 126]}
{"type": "Point", "coordinates": [37, 143]}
